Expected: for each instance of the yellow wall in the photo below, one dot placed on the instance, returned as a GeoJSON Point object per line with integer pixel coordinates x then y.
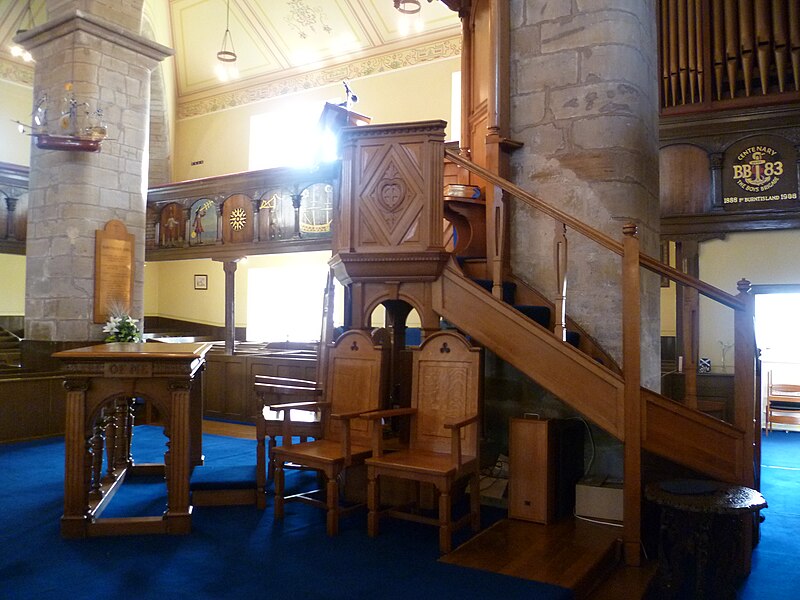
{"type": "Point", "coordinates": [762, 258]}
{"type": "Point", "coordinates": [157, 14]}
{"type": "Point", "coordinates": [668, 315]}
{"type": "Point", "coordinates": [12, 273]}
{"type": "Point", "coordinates": [169, 287]}
{"type": "Point", "coordinates": [169, 291]}
{"type": "Point", "coordinates": [16, 105]}
{"type": "Point", "coordinates": [221, 139]}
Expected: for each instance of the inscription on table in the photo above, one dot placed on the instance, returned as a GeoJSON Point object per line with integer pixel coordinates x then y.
{"type": "Point", "coordinates": [128, 369]}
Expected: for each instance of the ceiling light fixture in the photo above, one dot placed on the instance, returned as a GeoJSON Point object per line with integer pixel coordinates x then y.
{"type": "Point", "coordinates": [407, 7]}
{"type": "Point", "coordinates": [18, 51]}
{"type": "Point", "coordinates": [226, 68]}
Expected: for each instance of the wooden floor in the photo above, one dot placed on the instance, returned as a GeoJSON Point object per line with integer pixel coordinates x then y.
{"type": "Point", "coordinates": [581, 556]}
{"type": "Point", "coordinates": [572, 553]}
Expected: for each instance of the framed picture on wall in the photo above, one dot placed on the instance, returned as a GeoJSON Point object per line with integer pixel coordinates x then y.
{"type": "Point", "coordinates": [201, 282]}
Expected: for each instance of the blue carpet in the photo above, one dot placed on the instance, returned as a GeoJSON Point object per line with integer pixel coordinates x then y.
{"type": "Point", "coordinates": [774, 574]}
{"type": "Point", "coordinates": [232, 552]}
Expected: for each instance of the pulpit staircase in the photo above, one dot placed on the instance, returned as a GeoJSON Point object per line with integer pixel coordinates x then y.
{"type": "Point", "coordinates": [675, 431]}
{"type": "Point", "coordinates": [390, 246]}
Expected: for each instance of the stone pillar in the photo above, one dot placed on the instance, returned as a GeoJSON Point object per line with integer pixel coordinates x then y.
{"type": "Point", "coordinates": [73, 194]}
{"type": "Point", "coordinates": [584, 101]}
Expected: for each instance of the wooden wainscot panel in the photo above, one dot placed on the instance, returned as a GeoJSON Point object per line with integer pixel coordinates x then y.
{"type": "Point", "coordinates": [31, 406]}
{"type": "Point", "coordinates": [226, 388]}
{"type": "Point", "coordinates": [685, 180]}
{"type": "Point", "coordinates": [278, 365]}
{"type": "Point", "coordinates": [229, 392]}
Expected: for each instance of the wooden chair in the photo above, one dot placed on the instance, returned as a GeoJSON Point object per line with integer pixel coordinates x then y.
{"type": "Point", "coordinates": [247, 484]}
{"type": "Point", "coordinates": [355, 380]}
{"type": "Point", "coordinates": [290, 408]}
{"type": "Point", "coordinates": [783, 403]}
{"type": "Point", "coordinates": [443, 441]}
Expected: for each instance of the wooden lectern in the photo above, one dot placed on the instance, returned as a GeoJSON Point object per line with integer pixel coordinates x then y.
{"type": "Point", "coordinates": [102, 382]}
{"type": "Point", "coordinates": [334, 117]}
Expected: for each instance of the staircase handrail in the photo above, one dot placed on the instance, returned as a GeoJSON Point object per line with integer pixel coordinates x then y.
{"type": "Point", "coordinates": [648, 262]}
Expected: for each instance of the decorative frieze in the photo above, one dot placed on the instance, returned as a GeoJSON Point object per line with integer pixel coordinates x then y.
{"type": "Point", "coordinates": [401, 59]}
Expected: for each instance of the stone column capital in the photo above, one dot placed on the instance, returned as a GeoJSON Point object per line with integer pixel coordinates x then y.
{"type": "Point", "coordinates": [78, 21]}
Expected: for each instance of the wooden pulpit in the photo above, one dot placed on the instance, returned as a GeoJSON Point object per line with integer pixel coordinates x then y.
{"type": "Point", "coordinates": [102, 383]}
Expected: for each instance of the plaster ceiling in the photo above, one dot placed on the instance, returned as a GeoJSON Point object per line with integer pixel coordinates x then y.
{"type": "Point", "coordinates": [275, 40]}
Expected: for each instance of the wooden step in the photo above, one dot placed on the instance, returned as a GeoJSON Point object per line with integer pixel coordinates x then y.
{"type": "Point", "coordinates": [570, 553]}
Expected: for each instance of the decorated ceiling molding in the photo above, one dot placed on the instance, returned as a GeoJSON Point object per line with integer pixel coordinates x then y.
{"type": "Point", "coordinates": [282, 46]}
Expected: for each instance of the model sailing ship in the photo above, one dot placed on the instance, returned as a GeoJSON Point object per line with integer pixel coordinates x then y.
{"type": "Point", "coordinates": [76, 128]}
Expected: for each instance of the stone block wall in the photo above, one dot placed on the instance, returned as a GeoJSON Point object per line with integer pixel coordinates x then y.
{"type": "Point", "coordinates": [74, 194]}
{"type": "Point", "coordinates": [584, 101]}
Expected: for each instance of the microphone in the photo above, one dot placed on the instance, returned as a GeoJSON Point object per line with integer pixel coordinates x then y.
{"type": "Point", "coordinates": [351, 97]}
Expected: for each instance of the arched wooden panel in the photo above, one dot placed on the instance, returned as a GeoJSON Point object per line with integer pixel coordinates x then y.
{"type": "Point", "coordinates": [204, 222]}
{"type": "Point", "coordinates": [172, 226]}
{"type": "Point", "coordinates": [685, 180]}
{"type": "Point", "coordinates": [237, 219]}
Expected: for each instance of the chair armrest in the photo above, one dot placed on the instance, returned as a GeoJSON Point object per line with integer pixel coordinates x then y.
{"type": "Point", "coordinates": [275, 380]}
{"type": "Point", "coordinates": [346, 416]}
{"type": "Point", "coordinates": [455, 436]}
{"type": "Point", "coordinates": [286, 408]}
{"type": "Point", "coordinates": [385, 414]}
{"type": "Point", "coordinates": [309, 405]}
{"type": "Point", "coordinates": [377, 432]}
{"type": "Point", "coordinates": [285, 390]}
{"type": "Point", "coordinates": [345, 419]}
{"type": "Point", "coordinates": [461, 423]}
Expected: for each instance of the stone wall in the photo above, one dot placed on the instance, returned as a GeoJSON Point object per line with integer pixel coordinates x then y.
{"type": "Point", "coordinates": [74, 194]}
{"type": "Point", "coordinates": [584, 102]}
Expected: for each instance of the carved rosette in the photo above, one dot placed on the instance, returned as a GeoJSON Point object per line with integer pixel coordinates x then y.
{"type": "Point", "coordinates": [390, 194]}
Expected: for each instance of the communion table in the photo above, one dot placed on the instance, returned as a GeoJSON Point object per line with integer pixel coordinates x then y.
{"type": "Point", "coordinates": [102, 384]}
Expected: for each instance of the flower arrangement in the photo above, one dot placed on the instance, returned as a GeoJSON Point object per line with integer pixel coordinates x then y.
{"type": "Point", "coordinates": [122, 328]}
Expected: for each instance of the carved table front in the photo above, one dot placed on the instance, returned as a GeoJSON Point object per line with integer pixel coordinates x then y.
{"type": "Point", "coordinates": [102, 382]}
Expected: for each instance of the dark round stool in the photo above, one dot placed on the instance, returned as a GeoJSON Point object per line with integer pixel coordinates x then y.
{"type": "Point", "coordinates": [704, 529]}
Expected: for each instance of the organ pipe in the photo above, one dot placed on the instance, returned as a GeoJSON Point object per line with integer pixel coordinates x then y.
{"type": "Point", "coordinates": [754, 47]}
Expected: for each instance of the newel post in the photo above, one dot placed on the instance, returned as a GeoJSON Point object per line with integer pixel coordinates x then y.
{"type": "Point", "coordinates": [631, 358]}
{"type": "Point", "coordinates": [745, 396]}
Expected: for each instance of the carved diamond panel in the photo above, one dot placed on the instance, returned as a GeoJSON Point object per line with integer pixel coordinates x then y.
{"type": "Point", "coordinates": [392, 197]}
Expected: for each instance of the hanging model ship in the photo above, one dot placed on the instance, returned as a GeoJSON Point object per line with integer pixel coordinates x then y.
{"type": "Point", "coordinates": [77, 127]}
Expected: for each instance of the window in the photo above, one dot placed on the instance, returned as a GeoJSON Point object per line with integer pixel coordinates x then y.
{"type": "Point", "coordinates": [778, 326]}
{"type": "Point", "coordinates": [284, 299]}
{"type": "Point", "coordinates": [283, 138]}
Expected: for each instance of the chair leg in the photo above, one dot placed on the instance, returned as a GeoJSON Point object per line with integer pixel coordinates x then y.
{"type": "Point", "coordinates": [279, 489]}
{"type": "Point", "coordinates": [261, 473]}
{"type": "Point", "coordinates": [445, 538]}
{"type": "Point", "coordinates": [373, 501]}
{"type": "Point", "coordinates": [332, 500]}
{"type": "Point", "coordinates": [271, 455]}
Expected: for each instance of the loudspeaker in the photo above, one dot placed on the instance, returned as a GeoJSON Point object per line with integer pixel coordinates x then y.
{"type": "Point", "coordinates": [545, 462]}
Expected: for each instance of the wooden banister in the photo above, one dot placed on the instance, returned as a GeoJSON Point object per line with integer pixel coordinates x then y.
{"type": "Point", "coordinates": [631, 359]}
{"type": "Point", "coordinates": [745, 410]}
{"type": "Point", "coordinates": [648, 262]}
{"type": "Point", "coordinates": [744, 381]}
{"type": "Point", "coordinates": [528, 198]}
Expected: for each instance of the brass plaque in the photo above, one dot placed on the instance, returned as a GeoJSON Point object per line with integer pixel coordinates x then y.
{"type": "Point", "coordinates": [113, 270]}
{"type": "Point", "coordinates": [760, 173]}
